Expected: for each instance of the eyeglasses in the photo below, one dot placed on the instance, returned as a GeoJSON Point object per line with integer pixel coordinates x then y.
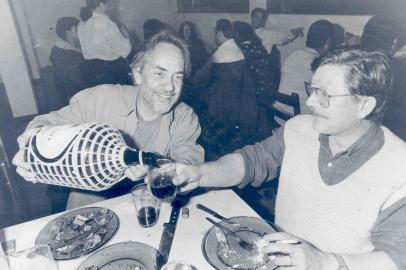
{"type": "Point", "coordinates": [322, 97]}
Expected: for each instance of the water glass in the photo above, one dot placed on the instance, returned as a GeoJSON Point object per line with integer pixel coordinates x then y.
{"type": "Point", "coordinates": [160, 180]}
{"type": "Point", "coordinates": [147, 205]}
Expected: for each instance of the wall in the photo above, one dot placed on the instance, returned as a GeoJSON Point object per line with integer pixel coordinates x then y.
{"type": "Point", "coordinates": [13, 69]}
{"type": "Point", "coordinates": [134, 13]}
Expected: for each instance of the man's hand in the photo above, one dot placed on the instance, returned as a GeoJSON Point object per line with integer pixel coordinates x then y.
{"type": "Point", "coordinates": [298, 31]}
{"type": "Point", "coordinates": [23, 168]}
{"type": "Point", "coordinates": [136, 172]}
{"type": "Point", "coordinates": [299, 256]}
{"type": "Point", "coordinates": [187, 177]}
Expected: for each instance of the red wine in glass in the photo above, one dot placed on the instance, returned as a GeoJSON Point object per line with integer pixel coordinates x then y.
{"type": "Point", "coordinates": [147, 216]}
{"type": "Point", "coordinates": [162, 187]}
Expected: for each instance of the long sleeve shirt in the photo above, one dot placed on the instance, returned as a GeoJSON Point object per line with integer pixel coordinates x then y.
{"type": "Point", "coordinates": [263, 160]}
{"type": "Point", "coordinates": [175, 135]}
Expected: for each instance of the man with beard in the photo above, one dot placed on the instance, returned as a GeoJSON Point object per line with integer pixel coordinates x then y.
{"type": "Point", "coordinates": [148, 114]}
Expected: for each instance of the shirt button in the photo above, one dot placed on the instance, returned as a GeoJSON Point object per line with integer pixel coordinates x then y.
{"type": "Point", "coordinates": [329, 164]}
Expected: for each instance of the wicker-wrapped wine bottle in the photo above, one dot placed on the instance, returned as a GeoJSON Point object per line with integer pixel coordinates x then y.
{"type": "Point", "coordinates": [87, 156]}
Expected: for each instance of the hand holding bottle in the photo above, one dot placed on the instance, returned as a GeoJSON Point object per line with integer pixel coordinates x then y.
{"type": "Point", "coordinates": [136, 172]}
{"type": "Point", "coordinates": [23, 168]}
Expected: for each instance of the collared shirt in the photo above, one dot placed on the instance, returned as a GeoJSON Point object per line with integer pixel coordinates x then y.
{"type": "Point", "coordinates": [227, 52]}
{"type": "Point", "coordinates": [116, 105]}
{"type": "Point", "coordinates": [101, 38]}
{"type": "Point", "coordinates": [263, 160]}
{"type": "Point", "coordinates": [335, 168]}
{"type": "Point", "coordinates": [270, 37]}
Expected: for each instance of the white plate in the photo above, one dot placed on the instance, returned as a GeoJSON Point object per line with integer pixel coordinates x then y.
{"type": "Point", "coordinates": [223, 252]}
{"type": "Point", "coordinates": [123, 256]}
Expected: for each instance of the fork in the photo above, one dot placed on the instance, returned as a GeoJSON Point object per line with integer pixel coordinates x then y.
{"type": "Point", "coordinates": [247, 245]}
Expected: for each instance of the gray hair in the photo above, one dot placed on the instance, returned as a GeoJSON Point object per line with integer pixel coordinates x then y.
{"type": "Point", "coordinates": [162, 37]}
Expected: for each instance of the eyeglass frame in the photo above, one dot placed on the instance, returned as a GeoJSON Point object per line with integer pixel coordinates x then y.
{"type": "Point", "coordinates": [318, 90]}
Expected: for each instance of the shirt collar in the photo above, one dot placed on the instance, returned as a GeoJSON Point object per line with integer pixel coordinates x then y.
{"type": "Point", "coordinates": [372, 138]}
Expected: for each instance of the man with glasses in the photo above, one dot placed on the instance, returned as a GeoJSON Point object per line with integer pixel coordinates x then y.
{"type": "Point", "coordinates": [342, 182]}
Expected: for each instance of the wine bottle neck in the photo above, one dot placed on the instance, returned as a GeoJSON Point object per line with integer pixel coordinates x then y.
{"type": "Point", "coordinates": [132, 157]}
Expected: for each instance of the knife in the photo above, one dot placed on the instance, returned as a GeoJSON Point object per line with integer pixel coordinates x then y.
{"type": "Point", "coordinates": [211, 212]}
{"type": "Point", "coordinates": [169, 229]}
{"type": "Point", "coordinates": [277, 228]}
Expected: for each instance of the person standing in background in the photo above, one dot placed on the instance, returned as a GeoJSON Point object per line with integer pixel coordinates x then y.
{"type": "Point", "coordinates": [100, 34]}
{"type": "Point", "coordinates": [105, 43]}
{"type": "Point", "coordinates": [269, 37]}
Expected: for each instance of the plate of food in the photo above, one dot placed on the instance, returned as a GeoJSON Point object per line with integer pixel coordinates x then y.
{"type": "Point", "coordinates": [78, 232]}
{"type": "Point", "coordinates": [124, 256]}
{"type": "Point", "coordinates": [223, 251]}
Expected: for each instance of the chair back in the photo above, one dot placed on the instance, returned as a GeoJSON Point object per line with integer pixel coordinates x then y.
{"type": "Point", "coordinates": [291, 100]}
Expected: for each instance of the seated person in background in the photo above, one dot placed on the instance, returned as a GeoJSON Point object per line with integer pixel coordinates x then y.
{"type": "Point", "coordinates": [148, 114]}
{"type": "Point", "coordinates": [67, 59]}
{"type": "Point", "coordinates": [105, 43]}
{"type": "Point", "coordinates": [297, 67]}
{"type": "Point", "coordinates": [152, 27]}
{"type": "Point", "coordinates": [342, 183]}
{"type": "Point", "coordinates": [269, 37]}
{"type": "Point", "coordinates": [198, 52]}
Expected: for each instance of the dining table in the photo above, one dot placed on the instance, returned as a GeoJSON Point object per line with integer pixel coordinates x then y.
{"type": "Point", "coordinates": [187, 241]}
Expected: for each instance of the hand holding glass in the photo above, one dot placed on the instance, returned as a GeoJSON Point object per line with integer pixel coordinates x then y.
{"type": "Point", "coordinates": [160, 180]}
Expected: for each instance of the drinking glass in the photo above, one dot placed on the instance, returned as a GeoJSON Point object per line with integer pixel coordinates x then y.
{"type": "Point", "coordinates": [38, 257]}
{"type": "Point", "coordinates": [177, 265]}
{"type": "Point", "coordinates": [147, 205]}
{"type": "Point", "coordinates": [160, 180]}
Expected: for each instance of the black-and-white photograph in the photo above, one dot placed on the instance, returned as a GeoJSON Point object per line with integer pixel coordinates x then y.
{"type": "Point", "coordinates": [203, 134]}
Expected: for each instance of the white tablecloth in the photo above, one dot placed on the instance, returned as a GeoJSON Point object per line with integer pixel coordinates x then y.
{"type": "Point", "coordinates": [186, 244]}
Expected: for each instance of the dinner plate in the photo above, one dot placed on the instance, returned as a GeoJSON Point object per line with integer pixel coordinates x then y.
{"type": "Point", "coordinates": [124, 256]}
{"type": "Point", "coordinates": [222, 251]}
{"type": "Point", "coordinates": [79, 232]}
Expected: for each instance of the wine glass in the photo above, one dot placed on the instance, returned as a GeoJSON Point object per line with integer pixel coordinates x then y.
{"type": "Point", "coordinates": [38, 257]}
